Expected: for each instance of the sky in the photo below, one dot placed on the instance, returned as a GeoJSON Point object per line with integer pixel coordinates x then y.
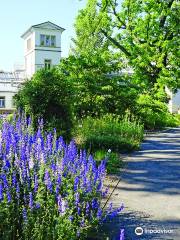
{"type": "Point", "coordinates": [16, 16]}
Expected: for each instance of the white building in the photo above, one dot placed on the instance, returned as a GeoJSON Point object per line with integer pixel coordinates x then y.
{"type": "Point", "coordinates": [42, 49]}
{"type": "Point", "coordinates": [9, 84]}
{"type": "Point", "coordinates": [174, 102]}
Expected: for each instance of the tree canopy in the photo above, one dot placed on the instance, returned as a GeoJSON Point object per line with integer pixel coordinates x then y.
{"type": "Point", "coordinates": [143, 33]}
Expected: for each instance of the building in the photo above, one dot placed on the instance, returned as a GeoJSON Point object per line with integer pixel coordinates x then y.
{"type": "Point", "coordinates": [42, 49]}
{"type": "Point", "coordinates": [174, 102]}
{"type": "Point", "coordinates": [9, 85]}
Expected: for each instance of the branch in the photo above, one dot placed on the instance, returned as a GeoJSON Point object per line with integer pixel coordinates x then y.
{"type": "Point", "coordinates": [117, 44]}
{"type": "Point", "coordinates": [163, 18]}
{"type": "Point", "coordinates": [116, 14]}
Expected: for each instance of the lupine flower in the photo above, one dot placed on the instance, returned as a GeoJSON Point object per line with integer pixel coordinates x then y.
{"type": "Point", "coordinates": [24, 214]}
{"type": "Point", "coordinates": [34, 163]}
{"type": "Point", "coordinates": [1, 192]}
{"type": "Point", "coordinates": [71, 218]}
{"type": "Point", "coordinates": [30, 200]}
{"type": "Point", "coordinates": [99, 213]}
{"type": "Point", "coordinates": [122, 235]}
{"type": "Point", "coordinates": [76, 182]}
{"type": "Point", "coordinates": [8, 194]}
{"type": "Point", "coordinates": [77, 198]}
{"type": "Point", "coordinates": [38, 205]}
{"type": "Point", "coordinates": [47, 180]}
{"type": "Point", "coordinates": [87, 208]}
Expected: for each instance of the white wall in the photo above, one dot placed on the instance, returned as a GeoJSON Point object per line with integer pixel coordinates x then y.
{"type": "Point", "coordinates": [8, 98]}
{"type": "Point", "coordinates": [34, 58]}
{"type": "Point", "coordinates": [29, 55]}
{"type": "Point", "coordinates": [176, 102]}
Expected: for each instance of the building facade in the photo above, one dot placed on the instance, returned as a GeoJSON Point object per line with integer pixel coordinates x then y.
{"type": "Point", "coordinates": [42, 49]}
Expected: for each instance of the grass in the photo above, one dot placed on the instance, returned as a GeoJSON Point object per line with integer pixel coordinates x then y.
{"type": "Point", "coordinates": [109, 132]}
{"type": "Point", "coordinates": [114, 161]}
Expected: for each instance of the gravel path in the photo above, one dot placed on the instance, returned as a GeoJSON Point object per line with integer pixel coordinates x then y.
{"type": "Point", "coordinates": [150, 190]}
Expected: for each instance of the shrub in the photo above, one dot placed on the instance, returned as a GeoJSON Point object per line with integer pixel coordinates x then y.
{"type": "Point", "coordinates": [154, 114]}
{"type": "Point", "coordinates": [48, 95]}
{"type": "Point", "coordinates": [48, 190]}
{"type": "Point", "coordinates": [109, 132]}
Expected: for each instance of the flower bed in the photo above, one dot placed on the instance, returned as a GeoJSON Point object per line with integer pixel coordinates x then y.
{"type": "Point", "coordinates": [48, 189]}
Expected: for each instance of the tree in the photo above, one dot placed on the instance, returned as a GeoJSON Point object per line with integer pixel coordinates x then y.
{"type": "Point", "coordinates": [49, 96]}
{"type": "Point", "coordinates": [96, 92]}
{"type": "Point", "coordinates": [145, 32]}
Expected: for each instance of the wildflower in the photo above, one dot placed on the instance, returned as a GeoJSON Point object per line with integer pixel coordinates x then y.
{"type": "Point", "coordinates": [1, 192]}
{"type": "Point", "coordinates": [35, 183]}
{"type": "Point", "coordinates": [30, 200]}
{"type": "Point", "coordinates": [99, 213]}
{"type": "Point", "coordinates": [87, 208]}
{"type": "Point", "coordinates": [77, 198]}
{"type": "Point", "coordinates": [76, 182]}
{"type": "Point", "coordinates": [95, 203]}
{"type": "Point", "coordinates": [8, 194]}
{"type": "Point", "coordinates": [48, 182]}
{"type": "Point", "coordinates": [38, 205]}
{"type": "Point", "coordinates": [71, 218]}
{"type": "Point", "coordinates": [17, 191]}
{"type": "Point", "coordinates": [122, 235]}
{"type": "Point", "coordinates": [14, 180]}
{"type": "Point", "coordinates": [24, 214]}
{"type": "Point", "coordinates": [109, 150]}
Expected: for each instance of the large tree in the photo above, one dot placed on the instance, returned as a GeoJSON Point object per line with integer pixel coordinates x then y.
{"type": "Point", "coordinates": [143, 32]}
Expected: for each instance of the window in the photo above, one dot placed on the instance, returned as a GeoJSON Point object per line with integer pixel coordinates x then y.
{"type": "Point", "coordinates": [47, 40]}
{"type": "Point", "coordinates": [2, 102]}
{"type": "Point", "coordinates": [42, 40]}
{"type": "Point", "coordinates": [53, 41]}
{"type": "Point", "coordinates": [47, 64]}
{"type": "Point", "coordinates": [29, 44]}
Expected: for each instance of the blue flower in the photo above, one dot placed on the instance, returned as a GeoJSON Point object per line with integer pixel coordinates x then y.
{"type": "Point", "coordinates": [1, 192]}
{"type": "Point", "coordinates": [48, 182]}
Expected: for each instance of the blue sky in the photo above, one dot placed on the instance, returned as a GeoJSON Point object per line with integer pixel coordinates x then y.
{"type": "Point", "coordinates": [18, 15]}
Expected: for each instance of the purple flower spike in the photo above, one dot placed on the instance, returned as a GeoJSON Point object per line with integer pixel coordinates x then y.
{"type": "Point", "coordinates": [48, 182]}
{"type": "Point", "coordinates": [24, 214]}
{"type": "Point", "coordinates": [30, 200]}
{"type": "Point", "coordinates": [8, 196]}
{"type": "Point", "coordinates": [122, 237]}
{"type": "Point", "coordinates": [1, 192]}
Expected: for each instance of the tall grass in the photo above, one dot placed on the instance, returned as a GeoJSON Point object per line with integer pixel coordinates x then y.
{"type": "Point", "coordinates": [109, 132]}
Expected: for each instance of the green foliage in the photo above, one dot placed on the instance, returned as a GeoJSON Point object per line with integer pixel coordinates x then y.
{"type": "Point", "coordinates": [114, 161]}
{"type": "Point", "coordinates": [48, 95]}
{"type": "Point", "coordinates": [109, 132]}
{"type": "Point", "coordinates": [96, 91]}
{"type": "Point", "coordinates": [144, 32]}
{"type": "Point", "coordinates": [153, 113]}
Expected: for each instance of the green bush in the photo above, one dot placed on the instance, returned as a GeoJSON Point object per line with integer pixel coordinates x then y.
{"type": "Point", "coordinates": [49, 96]}
{"type": "Point", "coordinates": [109, 132]}
{"type": "Point", "coordinates": [154, 114]}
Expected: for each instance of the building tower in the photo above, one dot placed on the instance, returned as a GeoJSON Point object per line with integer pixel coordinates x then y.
{"type": "Point", "coordinates": [42, 47]}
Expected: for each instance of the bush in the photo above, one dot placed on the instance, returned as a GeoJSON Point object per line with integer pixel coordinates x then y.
{"type": "Point", "coordinates": [109, 132]}
{"type": "Point", "coordinates": [154, 114]}
{"type": "Point", "coordinates": [47, 189]}
{"type": "Point", "coordinates": [48, 95]}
